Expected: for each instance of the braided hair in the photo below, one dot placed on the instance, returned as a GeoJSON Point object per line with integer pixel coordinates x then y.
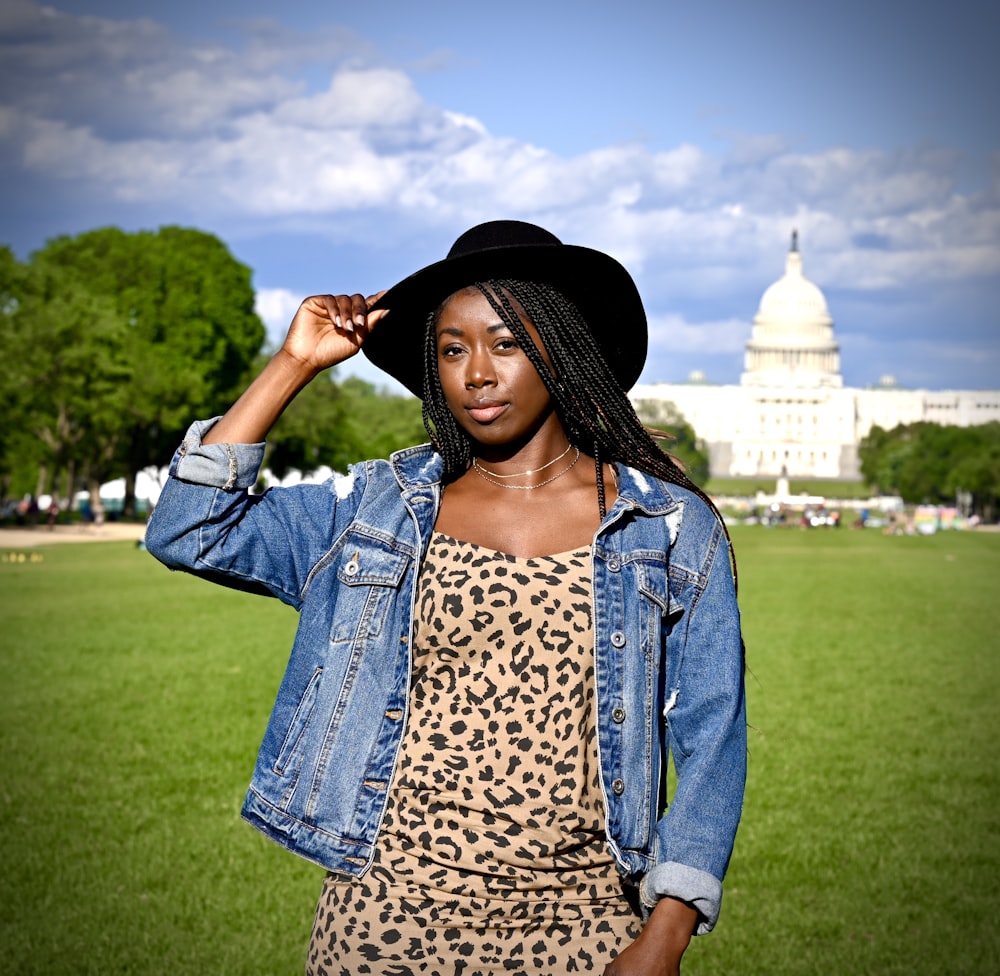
{"type": "Point", "coordinates": [593, 408]}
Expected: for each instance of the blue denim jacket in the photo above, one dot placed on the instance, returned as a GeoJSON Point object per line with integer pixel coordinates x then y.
{"type": "Point", "coordinates": [345, 554]}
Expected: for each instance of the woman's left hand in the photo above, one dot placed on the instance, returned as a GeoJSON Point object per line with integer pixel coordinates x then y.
{"type": "Point", "coordinates": [658, 950]}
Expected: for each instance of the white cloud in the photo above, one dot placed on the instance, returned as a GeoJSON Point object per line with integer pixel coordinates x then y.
{"type": "Point", "coordinates": [125, 112]}
{"type": "Point", "coordinates": [276, 307]}
{"type": "Point", "coordinates": [224, 133]}
{"type": "Point", "coordinates": [673, 333]}
{"type": "Point", "coordinates": [356, 99]}
{"type": "Point", "coordinates": [133, 78]}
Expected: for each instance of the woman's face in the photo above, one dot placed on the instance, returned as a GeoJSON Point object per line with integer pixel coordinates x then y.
{"type": "Point", "coordinates": [489, 384]}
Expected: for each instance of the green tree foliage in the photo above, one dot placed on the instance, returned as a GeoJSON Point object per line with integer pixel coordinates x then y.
{"type": "Point", "coordinates": [682, 444]}
{"type": "Point", "coordinates": [931, 463]}
{"type": "Point", "coordinates": [182, 312]}
{"type": "Point", "coordinates": [189, 308]}
{"type": "Point", "coordinates": [67, 373]}
{"type": "Point", "coordinates": [378, 422]}
{"type": "Point", "coordinates": [11, 288]}
{"type": "Point", "coordinates": [112, 342]}
{"type": "Point", "coordinates": [336, 424]}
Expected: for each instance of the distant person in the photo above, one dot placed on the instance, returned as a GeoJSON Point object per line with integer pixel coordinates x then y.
{"type": "Point", "coordinates": [502, 633]}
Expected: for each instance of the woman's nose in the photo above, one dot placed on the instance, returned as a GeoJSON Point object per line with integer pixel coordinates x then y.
{"type": "Point", "coordinates": [479, 371]}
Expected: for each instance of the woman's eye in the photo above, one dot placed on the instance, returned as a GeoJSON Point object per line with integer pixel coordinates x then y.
{"type": "Point", "coordinates": [450, 351]}
{"type": "Point", "coordinates": [507, 343]}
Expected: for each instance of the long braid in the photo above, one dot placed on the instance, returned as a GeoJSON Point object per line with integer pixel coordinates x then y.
{"type": "Point", "coordinates": [602, 503]}
{"type": "Point", "coordinates": [594, 409]}
{"type": "Point", "coordinates": [441, 427]}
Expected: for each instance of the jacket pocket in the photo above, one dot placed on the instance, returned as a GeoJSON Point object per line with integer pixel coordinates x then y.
{"type": "Point", "coordinates": [298, 724]}
{"type": "Point", "coordinates": [369, 570]}
{"type": "Point", "coordinates": [659, 610]}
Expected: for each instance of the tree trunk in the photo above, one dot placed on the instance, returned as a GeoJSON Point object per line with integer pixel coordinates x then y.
{"type": "Point", "coordinates": [42, 484]}
{"type": "Point", "coordinates": [96, 505]}
{"type": "Point", "coordinates": [69, 485]}
{"type": "Point", "coordinates": [128, 506]}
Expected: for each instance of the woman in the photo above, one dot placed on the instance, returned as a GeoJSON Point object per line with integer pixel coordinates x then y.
{"type": "Point", "coordinates": [502, 634]}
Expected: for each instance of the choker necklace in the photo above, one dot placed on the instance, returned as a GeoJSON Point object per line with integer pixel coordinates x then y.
{"type": "Point", "coordinates": [522, 474]}
{"type": "Point", "coordinates": [488, 475]}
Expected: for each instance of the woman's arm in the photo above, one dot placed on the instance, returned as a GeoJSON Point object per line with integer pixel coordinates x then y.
{"type": "Point", "coordinates": [658, 950]}
{"type": "Point", "coordinates": [327, 330]}
{"type": "Point", "coordinates": [206, 522]}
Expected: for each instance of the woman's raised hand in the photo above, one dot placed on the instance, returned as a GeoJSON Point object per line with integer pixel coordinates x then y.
{"type": "Point", "coordinates": [326, 330]}
{"type": "Point", "coordinates": [329, 329]}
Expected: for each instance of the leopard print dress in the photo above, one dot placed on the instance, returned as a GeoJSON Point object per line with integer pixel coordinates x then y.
{"type": "Point", "coordinates": [492, 858]}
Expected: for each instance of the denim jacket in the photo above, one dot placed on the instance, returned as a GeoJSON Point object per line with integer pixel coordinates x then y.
{"type": "Point", "coordinates": [346, 553]}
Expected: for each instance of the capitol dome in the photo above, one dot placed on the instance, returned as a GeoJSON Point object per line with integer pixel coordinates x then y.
{"type": "Point", "coordinates": [792, 340]}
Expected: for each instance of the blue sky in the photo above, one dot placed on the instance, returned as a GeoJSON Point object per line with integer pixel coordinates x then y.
{"type": "Point", "coordinates": [338, 147]}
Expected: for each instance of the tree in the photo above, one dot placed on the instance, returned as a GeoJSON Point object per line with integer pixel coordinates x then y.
{"type": "Point", "coordinates": [680, 442]}
{"type": "Point", "coordinates": [977, 470]}
{"type": "Point", "coordinates": [11, 287]}
{"type": "Point", "coordinates": [189, 329]}
{"type": "Point", "coordinates": [870, 453]}
{"type": "Point", "coordinates": [336, 424]}
{"type": "Point", "coordinates": [925, 462]}
{"type": "Point", "coordinates": [381, 422]}
{"type": "Point", "coordinates": [62, 376]}
{"type": "Point", "coordinates": [73, 372]}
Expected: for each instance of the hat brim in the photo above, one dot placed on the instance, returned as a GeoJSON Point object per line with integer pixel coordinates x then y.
{"type": "Point", "coordinates": [596, 283]}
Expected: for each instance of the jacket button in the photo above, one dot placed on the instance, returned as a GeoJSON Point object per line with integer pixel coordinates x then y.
{"type": "Point", "coordinates": [614, 564]}
{"type": "Point", "coordinates": [618, 787]}
{"type": "Point", "coordinates": [617, 639]}
{"type": "Point", "coordinates": [618, 715]}
{"type": "Point", "coordinates": [351, 569]}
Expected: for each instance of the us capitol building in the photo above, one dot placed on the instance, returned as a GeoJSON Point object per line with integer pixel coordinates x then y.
{"type": "Point", "coordinates": [791, 413]}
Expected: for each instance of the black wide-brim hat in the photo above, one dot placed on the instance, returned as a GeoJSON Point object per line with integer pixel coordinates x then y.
{"type": "Point", "coordinates": [596, 283]}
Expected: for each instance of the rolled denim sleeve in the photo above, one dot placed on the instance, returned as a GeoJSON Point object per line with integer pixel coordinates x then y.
{"type": "Point", "coordinates": [705, 716]}
{"type": "Point", "coordinates": [699, 889]}
{"type": "Point", "coordinates": [231, 467]}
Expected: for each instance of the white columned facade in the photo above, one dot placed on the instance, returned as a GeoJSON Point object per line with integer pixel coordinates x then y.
{"type": "Point", "coordinates": [790, 412]}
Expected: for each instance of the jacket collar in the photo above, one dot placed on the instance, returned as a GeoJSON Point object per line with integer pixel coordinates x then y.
{"type": "Point", "coordinates": [639, 489]}
{"type": "Point", "coordinates": [417, 467]}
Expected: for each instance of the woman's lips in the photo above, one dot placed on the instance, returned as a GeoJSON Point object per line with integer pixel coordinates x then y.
{"type": "Point", "coordinates": [484, 413]}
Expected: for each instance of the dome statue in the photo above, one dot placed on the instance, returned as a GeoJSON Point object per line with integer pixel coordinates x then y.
{"type": "Point", "coordinates": [792, 342]}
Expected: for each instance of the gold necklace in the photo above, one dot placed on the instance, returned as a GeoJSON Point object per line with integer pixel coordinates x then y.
{"type": "Point", "coordinates": [522, 474]}
{"type": "Point", "coordinates": [484, 474]}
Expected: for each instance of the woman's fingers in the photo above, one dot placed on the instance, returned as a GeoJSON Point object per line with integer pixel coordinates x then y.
{"type": "Point", "coordinates": [349, 312]}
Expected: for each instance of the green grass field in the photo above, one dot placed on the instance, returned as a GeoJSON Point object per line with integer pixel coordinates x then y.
{"type": "Point", "coordinates": [134, 701]}
{"type": "Point", "coordinates": [748, 488]}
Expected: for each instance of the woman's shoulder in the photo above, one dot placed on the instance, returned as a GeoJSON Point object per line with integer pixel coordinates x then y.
{"type": "Point", "coordinates": [654, 489]}
{"type": "Point", "coordinates": [679, 504]}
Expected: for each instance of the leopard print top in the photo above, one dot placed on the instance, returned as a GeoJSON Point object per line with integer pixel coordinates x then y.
{"type": "Point", "coordinates": [492, 857]}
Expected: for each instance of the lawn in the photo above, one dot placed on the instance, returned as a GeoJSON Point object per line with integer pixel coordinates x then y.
{"type": "Point", "coordinates": [748, 488]}
{"type": "Point", "coordinates": [134, 700]}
